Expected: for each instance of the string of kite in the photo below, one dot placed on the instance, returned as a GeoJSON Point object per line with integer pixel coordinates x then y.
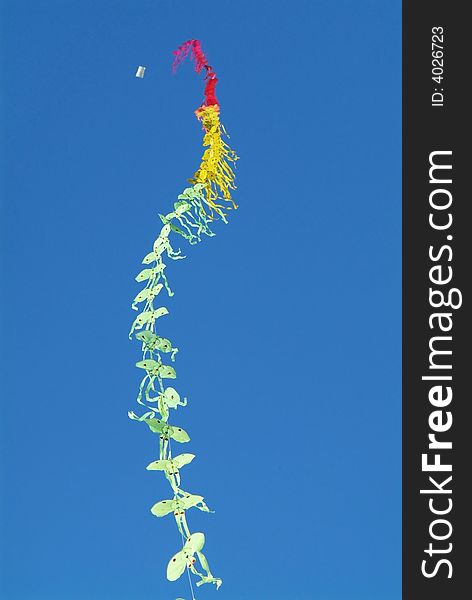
{"type": "Point", "coordinates": [207, 199]}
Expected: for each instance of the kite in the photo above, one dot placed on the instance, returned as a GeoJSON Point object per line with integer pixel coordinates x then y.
{"type": "Point", "coordinates": [207, 199]}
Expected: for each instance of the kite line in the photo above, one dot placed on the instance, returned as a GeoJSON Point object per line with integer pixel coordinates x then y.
{"type": "Point", "coordinates": [206, 200]}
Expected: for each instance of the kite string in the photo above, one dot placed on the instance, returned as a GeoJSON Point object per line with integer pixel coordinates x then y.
{"type": "Point", "coordinates": [183, 539]}
{"type": "Point", "coordinates": [188, 572]}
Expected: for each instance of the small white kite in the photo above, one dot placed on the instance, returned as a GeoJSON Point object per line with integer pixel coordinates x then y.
{"type": "Point", "coordinates": [140, 72]}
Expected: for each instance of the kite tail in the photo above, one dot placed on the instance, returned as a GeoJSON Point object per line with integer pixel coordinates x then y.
{"type": "Point", "coordinates": [212, 185]}
{"type": "Point", "coordinates": [216, 168]}
{"type": "Point", "coordinates": [194, 48]}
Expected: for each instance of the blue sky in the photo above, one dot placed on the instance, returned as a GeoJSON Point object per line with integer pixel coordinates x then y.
{"type": "Point", "coordinates": [288, 320]}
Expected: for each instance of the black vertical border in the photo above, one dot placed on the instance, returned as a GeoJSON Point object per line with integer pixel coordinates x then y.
{"type": "Point", "coordinates": [427, 129]}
